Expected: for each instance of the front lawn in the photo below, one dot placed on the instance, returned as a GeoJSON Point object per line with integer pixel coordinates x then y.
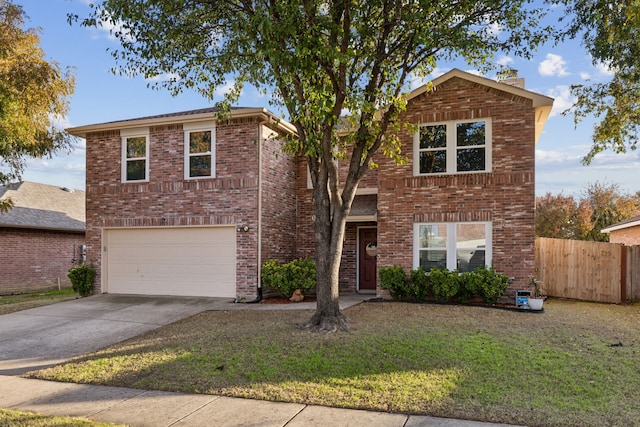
{"type": "Point", "coordinates": [29, 419]}
{"type": "Point", "coordinates": [13, 303]}
{"type": "Point", "coordinates": [575, 364]}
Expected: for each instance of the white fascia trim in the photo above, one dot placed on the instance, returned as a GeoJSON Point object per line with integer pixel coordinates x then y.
{"type": "Point", "coordinates": [620, 227]}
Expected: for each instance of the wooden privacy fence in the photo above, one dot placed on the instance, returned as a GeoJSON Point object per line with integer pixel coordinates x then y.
{"type": "Point", "coordinates": [588, 271]}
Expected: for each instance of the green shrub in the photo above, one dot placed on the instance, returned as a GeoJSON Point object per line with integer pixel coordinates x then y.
{"type": "Point", "coordinates": [271, 273]}
{"type": "Point", "coordinates": [470, 285]}
{"type": "Point", "coordinates": [445, 283]}
{"type": "Point", "coordinates": [297, 274]}
{"type": "Point", "coordinates": [419, 284]}
{"type": "Point", "coordinates": [82, 278]}
{"type": "Point", "coordinates": [394, 280]}
{"type": "Point", "coordinates": [492, 286]}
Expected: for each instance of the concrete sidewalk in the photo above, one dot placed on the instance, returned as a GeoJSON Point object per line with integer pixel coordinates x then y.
{"type": "Point", "coordinates": [159, 409]}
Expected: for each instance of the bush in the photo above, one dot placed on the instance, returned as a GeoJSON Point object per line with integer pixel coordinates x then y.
{"type": "Point", "coordinates": [394, 280]}
{"type": "Point", "coordinates": [419, 284]}
{"type": "Point", "coordinates": [297, 274]}
{"type": "Point", "coordinates": [492, 285]}
{"type": "Point", "coordinates": [470, 285]}
{"type": "Point", "coordinates": [445, 283]}
{"type": "Point", "coordinates": [82, 278]}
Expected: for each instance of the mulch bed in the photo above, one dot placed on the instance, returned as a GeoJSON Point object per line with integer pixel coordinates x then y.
{"type": "Point", "coordinates": [283, 300]}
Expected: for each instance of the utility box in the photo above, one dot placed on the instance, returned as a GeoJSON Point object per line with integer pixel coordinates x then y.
{"type": "Point", "coordinates": [522, 299]}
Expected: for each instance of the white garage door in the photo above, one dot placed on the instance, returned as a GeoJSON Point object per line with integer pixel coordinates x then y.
{"type": "Point", "coordinates": [171, 261]}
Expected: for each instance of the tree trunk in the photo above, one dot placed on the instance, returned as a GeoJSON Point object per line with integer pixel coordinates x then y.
{"type": "Point", "coordinates": [329, 226]}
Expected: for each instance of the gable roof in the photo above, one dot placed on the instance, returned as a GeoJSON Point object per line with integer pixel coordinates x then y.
{"type": "Point", "coordinates": [542, 104]}
{"type": "Point", "coordinates": [631, 222]}
{"type": "Point", "coordinates": [45, 207]}
{"type": "Point", "coordinates": [201, 114]}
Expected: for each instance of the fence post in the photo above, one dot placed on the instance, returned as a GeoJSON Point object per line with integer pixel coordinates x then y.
{"type": "Point", "coordinates": [623, 274]}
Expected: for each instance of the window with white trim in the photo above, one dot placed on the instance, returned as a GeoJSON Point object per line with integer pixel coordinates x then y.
{"type": "Point", "coordinates": [135, 156]}
{"type": "Point", "coordinates": [199, 151]}
{"type": "Point", "coordinates": [462, 146]}
{"type": "Point", "coordinates": [462, 246]}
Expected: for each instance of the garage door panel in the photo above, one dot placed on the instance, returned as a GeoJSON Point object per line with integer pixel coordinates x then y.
{"type": "Point", "coordinates": [180, 261]}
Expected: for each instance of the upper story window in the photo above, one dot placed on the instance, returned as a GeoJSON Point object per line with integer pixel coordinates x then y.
{"type": "Point", "coordinates": [135, 155]}
{"type": "Point", "coordinates": [452, 147]}
{"type": "Point", "coordinates": [199, 147]}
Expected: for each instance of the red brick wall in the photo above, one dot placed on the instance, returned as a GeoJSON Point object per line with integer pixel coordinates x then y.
{"type": "Point", "coordinates": [627, 236]}
{"type": "Point", "coordinates": [505, 197]}
{"type": "Point", "coordinates": [169, 200]}
{"type": "Point", "coordinates": [279, 200]}
{"type": "Point", "coordinates": [34, 260]}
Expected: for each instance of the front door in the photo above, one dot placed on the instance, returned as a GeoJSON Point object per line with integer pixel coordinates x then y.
{"type": "Point", "coordinates": [368, 242]}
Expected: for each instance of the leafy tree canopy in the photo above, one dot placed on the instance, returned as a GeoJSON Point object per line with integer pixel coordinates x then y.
{"type": "Point", "coordinates": [317, 59]}
{"type": "Point", "coordinates": [602, 205]}
{"type": "Point", "coordinates": [32, 91]}
{"type": "Point", "coordinates": [610, 32]}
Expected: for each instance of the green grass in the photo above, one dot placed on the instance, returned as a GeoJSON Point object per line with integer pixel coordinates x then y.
{"type": "Point", "coordinates": [557, 368]}
{"type": "Point", "coordinates": [13, 303]}
{"type": "Point", "coordinates": [28, 419]}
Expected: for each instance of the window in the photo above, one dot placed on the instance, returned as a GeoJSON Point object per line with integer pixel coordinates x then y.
{"type": "Point", "coordinates": [453, 147]}
{"type": "Point", "coordinates": [199, 151]}
{"type": "Point", "coordinates": [462, 246]}
{"type": "Point", "coordinates": [135, 156]}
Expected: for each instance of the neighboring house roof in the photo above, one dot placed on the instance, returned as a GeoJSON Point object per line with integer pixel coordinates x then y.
{"type": "Point", "coordinates": [185, 117]}
{"type": "Point", "coordinates": [43, 206]}
{"type": "Point", "coordinates": [631, 222]}
{"type": "Point", "coordinates": [541, 104]}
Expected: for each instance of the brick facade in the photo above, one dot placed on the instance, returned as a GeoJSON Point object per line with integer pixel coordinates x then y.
{"type": "Point", "coordinates": [259, 186]}
{"type": "Point", "coordinates": [36, 260]}
{"type": "Point", "coordinates": [168, 200]}
{"type": "Point", "coordinates": [505, 196]}
{"type": "Point", "coordinates": [629, 236]}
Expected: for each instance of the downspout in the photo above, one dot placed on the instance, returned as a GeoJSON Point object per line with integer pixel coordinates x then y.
{"type": "Point", "coordinates": [259, 231]}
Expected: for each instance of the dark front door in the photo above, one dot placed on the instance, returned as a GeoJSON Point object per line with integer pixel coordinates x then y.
{"type": "Point", "coordinates": [368, 238]}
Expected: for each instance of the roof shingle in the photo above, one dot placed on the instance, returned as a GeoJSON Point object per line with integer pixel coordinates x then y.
{"type": "Point", "coordinates": [43, 206]}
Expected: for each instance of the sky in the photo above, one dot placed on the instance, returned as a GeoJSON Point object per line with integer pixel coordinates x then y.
{"type": "Point", "coordinates": [100, 96]}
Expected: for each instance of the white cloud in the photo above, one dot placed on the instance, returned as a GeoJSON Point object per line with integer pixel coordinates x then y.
{"type": "Point", "coordinates": [226, 88]}
{"type": "Point", "coordinates": [563, 99]}
{"type": "Point", "coordinates": [504, 60]}
{"type": "Point", "coordinates": [59, 122]}
{"type": "Point", "coordinates": [553, 65]}
{"type": "Point", "coordinates": [164, 77]}
{"type": "Point", "coordinates": [494, 29]}
{"type": "Point", "coordinates": [604, 69]}
{"type": "Point", "coordinates": [585, 76]}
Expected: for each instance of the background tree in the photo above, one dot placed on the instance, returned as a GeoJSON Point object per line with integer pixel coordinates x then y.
{"type": "Point", "coordinates": [562, 217]}
{"type": "Point", "coordinates": [32, 92]}
{"type": "Point", "coordinates": [609, 206]}
{"type": "Point", "coordinates": [610, 32]}
{"type": "Point", "coordinates": [317, 59]}
{"type": "Point", "coordinates": [602, 205]}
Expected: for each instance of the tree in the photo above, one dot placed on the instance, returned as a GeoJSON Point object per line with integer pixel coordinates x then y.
{"type": "Point", "coordinates": [609, 207]}
{"type": "Point", "coordinates": [32, 90]}
{"type": "Point", "coordinates": [610, 32]}
{"type": "Point", "coordinates": [318, 58]}
{"type": "Point", "coordinates": [562, 217]}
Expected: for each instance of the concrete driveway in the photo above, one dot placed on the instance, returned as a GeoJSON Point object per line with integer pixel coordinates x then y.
{"type": "Point", "coordinates": [43, 336]}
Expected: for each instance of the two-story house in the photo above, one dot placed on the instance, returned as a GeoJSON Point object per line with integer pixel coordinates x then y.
{"type": "Point", "coordinates": [179, 204]}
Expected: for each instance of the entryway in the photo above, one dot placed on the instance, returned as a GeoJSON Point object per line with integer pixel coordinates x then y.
{"type": "Point", "coordinates": [367, 250]}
